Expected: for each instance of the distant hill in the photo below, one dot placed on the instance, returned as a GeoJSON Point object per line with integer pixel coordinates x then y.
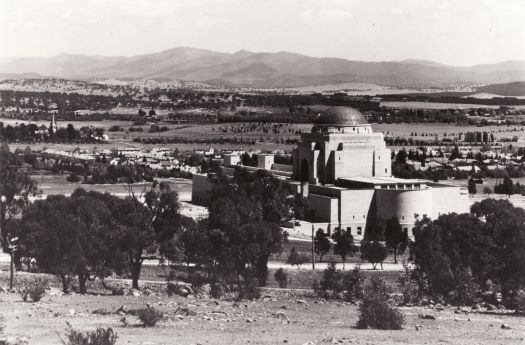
{"type": "Point", "coordinates": [252, 69]}
{"type": "Point", "coordinates": [507, 89]}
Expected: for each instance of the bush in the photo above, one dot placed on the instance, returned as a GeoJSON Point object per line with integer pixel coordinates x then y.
{"type": "Point", "coordinates": [35, 289]}
{"type": "Point", "coordinates": [466, 290]}
{"type": "Point", "coordinates": [249, 288]}
{"type": "Point", "coordinates": [375, 311]}
{"type": "Point", "coordinates": [100, 336]}
{"type": "Point", "coordinates": [281, 278]}
{"type": "Point", "coordinates": [197, 280]}
{"type": "Point", "coordinates": [412, 285]}
{"type": "Point", "coordinates": [149, 316]}
{"type": "Point", "coordinates": [73, 178]}
{"type": "Point", "coordinates": [332, 280]}
{"type": "Point", "coordinates": [297, 259]}
{"type": "Point", "coordinates": [354, 285]}
{"type": "Point", "coordinates": [115, 128]}
{"type": "Point", "coordinates": [373, 252]}
{"type": "Point", "coordinates": [217, 289]}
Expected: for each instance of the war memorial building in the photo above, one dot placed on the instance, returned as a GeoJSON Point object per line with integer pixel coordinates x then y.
{"type": "Point", "coordinates": [345, 171]}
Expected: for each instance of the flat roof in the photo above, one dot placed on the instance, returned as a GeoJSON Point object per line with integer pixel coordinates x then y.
{"type": "Point", "coordinates": [383, 180]}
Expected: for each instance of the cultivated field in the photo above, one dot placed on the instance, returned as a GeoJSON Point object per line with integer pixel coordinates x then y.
{"type": "Point", "coordinates": [436, 105]}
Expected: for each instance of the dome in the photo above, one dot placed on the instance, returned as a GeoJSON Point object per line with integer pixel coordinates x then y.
{"type": "Point", "coordinates": [341, 116]}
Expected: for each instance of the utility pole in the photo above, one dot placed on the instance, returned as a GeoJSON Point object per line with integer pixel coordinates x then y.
{"type": "Point", "coordinates": [313, 248]}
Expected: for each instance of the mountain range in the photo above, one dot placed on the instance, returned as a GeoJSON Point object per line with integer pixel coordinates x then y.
{"type": "Point", "coordinates": [264, 70]}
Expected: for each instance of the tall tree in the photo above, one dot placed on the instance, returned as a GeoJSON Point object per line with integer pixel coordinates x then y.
{"type": "Point", "coordinates": [374, 252]}
{"type": "Point", "coordinates": [344, 244]}
{"type": "Point", "coordinates": [396, 239]}
{"type": "Point", "coordinates": [472, 190]}
{"type": "Point", "coordinates": [16, 189]}
{"type": "Point", "coordinates": [322, 244]}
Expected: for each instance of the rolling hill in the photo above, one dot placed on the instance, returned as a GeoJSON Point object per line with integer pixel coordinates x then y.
{"type": "Point", "coordinates": [507, 89]}
{"type": "Point", "coordinates": [251, 69]}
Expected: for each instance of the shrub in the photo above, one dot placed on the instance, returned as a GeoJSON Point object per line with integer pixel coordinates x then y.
{"type": "Point", "coordinates": [197, 280]}
{"type": "Point", "coordinates": [100, 336]}
{"type": "Point", "coordinates": [73, 178]}
{"type": "Point", "coordinates": [374, 252]}
{"type": "Point", "coordinates": [375, 311]}
{"type": "Point", "coordinates": [115, 128]}
{"type": "Point", "coordinates": [281, 278]}
{"type": "Point", "coordinates": [35, 289]}
{"type": "Point", "coordinates": [412, 285]}
{"type": "Point", "coordinates": [297, 259]}
{"type": "Point", "coordinates": [332, 279]}
{"type": "Point", "coordinates": [217, 289]}
{"type": "Point", "coordinates": [466, 290]}
{"type": "Point", "coordinates": [149, 316]}
{"type": "Point", "coordinates": [249, 288]}
{"type": "Point", "coordinates": [354, 284]}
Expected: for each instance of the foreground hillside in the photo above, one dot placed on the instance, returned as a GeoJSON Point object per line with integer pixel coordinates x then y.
{"type": "Point", "coordinates": [280, 317]}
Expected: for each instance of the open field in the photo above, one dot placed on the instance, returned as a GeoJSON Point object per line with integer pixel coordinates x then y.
{"type": "Point", "coordinates": [437, 105]}
{"type": "Point", "coordinates": [274, 320]}
{"type": "Point", "coordinates": [57, 184]}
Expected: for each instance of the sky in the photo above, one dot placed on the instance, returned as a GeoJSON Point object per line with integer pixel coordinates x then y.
{"type": "Point", "coordinates": [454, 32]}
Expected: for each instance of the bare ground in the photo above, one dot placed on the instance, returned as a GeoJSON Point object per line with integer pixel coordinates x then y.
{"type": "Point", "coordinates": [272, 320]}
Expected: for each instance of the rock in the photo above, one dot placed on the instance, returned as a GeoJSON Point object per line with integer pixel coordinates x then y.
{"type": "Point", "coordinates": [283, 307]}
{"type": "Point", "coordinates": [491, 307]}
{"type": "Point", "coordinates": [301, 301]}
{"type": "Point", "coordinates": [3, 289]}
{"type": "Point", "coordinates": [118, 291]}
{"type": "Point", "coordinates": [418, 327]}
{"type": "Point", "coordinates": [505, 326]}
{"type": "Point", "coordinates": [54, 292]}
{"type": "Point", "coordinates": [134, 293]}
{"type": "Point", "coordinates": [427, 316]}
{"type": "Point", "coordinates": [71, 312]}
{"type": "Point", "coordinates": [249, 321]}
{"type": "Point", "coordinates": [147, 292]}
{"type": "Point", "coordinates": [219, 312]}
{"type": "Point", "coordinates": [280, 315]}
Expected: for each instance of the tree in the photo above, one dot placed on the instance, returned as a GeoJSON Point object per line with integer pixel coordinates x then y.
{"type": "Point", "coordinates": [504, 246]}
{"type": "Point", "coordinates": [396, 239]}
{"type": "Point", "coordinates": [294, 258]}
{"type": "Point", "coordinates": [507, 186]}
{"type": "Point", "coordinates": [344, 244]}
{"type": "Point", "coordinates": [472, 186]}
{"type": "Point", "coordinates": [16, 188]}
{"type": "Point", "coordinates": [71, 236]}
{"type": "Point", "coordinates": [245, 219]}
{"type": "Point", "coordinates": [151, 220]}
{"type": "Point", "coordinates": [373, 252]}
{"type": "Point", "coordinates": [322, 243]}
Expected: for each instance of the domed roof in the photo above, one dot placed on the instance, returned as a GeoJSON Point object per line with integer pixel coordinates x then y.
{"type": "Point", "coordinates": [341, 116]}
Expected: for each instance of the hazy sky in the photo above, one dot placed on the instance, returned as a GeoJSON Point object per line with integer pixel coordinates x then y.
{"type": "Point", "coordinates": [460, 32]}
